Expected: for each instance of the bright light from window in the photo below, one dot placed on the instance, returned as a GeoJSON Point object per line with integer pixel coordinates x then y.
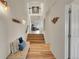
{"type": "Point", "coordinates": [37, 32]}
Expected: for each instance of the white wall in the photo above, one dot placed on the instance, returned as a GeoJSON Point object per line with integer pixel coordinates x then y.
{"type": "Point", "coordinates": [4, 45]}
{"type": "Point", "coordinates": [9, 30]}
{"type": "Point", "coordinates": [18, 11]}
{"type": "Point", "coordinates": [56, 32]}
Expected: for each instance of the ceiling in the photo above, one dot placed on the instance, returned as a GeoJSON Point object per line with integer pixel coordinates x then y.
{"type": "Point", "coordinates": [35, 1]}
{"type": "Point", "coordinates": [69, 1]}
{"type": "Point", "coordinates": [19, 7]}
{"type": "Point", "coordinates": [76, 2]}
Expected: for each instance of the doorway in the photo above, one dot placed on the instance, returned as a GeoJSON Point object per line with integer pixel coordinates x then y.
{"type": "Point", "coordinates": [72, 32]}
{"type": "Point", "coordinates": [36, 24]}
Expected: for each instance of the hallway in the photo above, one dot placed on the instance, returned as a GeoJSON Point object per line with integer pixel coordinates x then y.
{"type": "Point", "coordinates": [38, 49]}
{"type": "Point", "coordinates": [22, 17]}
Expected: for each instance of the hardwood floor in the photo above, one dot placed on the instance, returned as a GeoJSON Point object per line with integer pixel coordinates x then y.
{"type": "Point", "coordinates": [35, 38]}
{"type": "Point", "coordinates": [39, 50]}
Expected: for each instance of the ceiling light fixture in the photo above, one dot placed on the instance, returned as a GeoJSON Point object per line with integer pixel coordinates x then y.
{"type": "Point", "coordinates": [4, 2]}
{"type": "Point", "coordinates": [4, 6]}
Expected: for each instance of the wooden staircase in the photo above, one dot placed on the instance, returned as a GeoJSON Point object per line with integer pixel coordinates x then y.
{"type": "Point", "coordinates": [35, 38]}
{"type": "Point", "coordinates": [38, 48]}
{"type": "Point", "coordinates": [40, 51]}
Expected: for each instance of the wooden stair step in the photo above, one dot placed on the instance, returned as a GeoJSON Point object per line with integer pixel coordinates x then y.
{"type": "Point", "coordinates": [35, 38]}
{"type": "Point", "coordinates": [40, 51]}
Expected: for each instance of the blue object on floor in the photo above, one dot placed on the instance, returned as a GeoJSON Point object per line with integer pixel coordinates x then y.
{"type": "Point", "coordinates": [22, 44]}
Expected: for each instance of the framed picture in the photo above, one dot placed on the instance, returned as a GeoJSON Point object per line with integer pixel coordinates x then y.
{"type": "Point", "coordinates": [55, 19]}
{"type": "Point", "coordinates": [35, 9]}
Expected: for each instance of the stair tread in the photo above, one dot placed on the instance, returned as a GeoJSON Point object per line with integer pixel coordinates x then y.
{"type": "Point", "coordinates": [35, 38]}
{"type": "Point", "coordinates": [40, 51]}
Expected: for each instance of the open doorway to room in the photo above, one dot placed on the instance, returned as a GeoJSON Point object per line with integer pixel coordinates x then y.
{"type": "Point", "coordinates": [35, 17]}
{"type": "Point", "coordinates": [36, 24]}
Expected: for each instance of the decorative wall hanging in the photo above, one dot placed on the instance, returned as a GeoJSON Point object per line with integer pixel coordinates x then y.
{"type": "Point", "coordinates": [19, 21]}
{"type": "Point", "coordinates": [55, 19]}
{"type": "Point", "coordinates": [16, 21]}
{"type": "Point", "coordinates": [35, 9]}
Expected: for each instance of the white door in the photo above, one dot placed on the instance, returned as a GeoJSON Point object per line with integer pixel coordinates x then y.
{"type": "Point", "coordinates": [75, 32]}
